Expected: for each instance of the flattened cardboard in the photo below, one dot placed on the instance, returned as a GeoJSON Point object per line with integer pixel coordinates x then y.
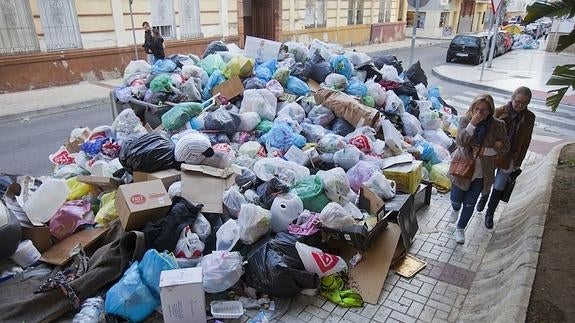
{"type": "Point", "coordinates": [229, 89]}
{"type": "Point", "coordinates": [206, 185]}
{"type": "Point", "coordinates": [59, 254]}
{"type": "Point", "coordinates": [368, 200]}
{"type": "Point", "coordinates": [140, 203]}
{"type": "Point", "coordinates": [168, 176]}
{"type": "Point", "coordinates": [99, 181]}
{"type": "Point", "coordinates": [313, 85]}
{"type": "Point", "coordinates": [368, 276]}
{"type": "Point", "coordinates": [40, 236]}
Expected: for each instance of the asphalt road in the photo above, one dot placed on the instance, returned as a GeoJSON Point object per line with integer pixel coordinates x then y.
{"type": "Point", "coordinates": [26, 144]}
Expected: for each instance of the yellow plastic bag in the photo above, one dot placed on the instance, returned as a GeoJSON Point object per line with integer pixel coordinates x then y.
{"type": "Point", "coordinates": [77, 189]}
{"type": "Point", "coordinates": [240, 66]}
{"type": "Point", "coordinates": [107, 211]}
{"type": "Point", "coordinates": [438, 176]}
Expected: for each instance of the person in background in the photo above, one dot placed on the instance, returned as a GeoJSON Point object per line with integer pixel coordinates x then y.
{"type": "Point", "coordinates": [157, 45]}
{"type": "Point", "coordinates": [148, 42]}
{"type": "Point", "coordinates": [480, 137]}
{"type": "Point", "coordinates": [519, 123]}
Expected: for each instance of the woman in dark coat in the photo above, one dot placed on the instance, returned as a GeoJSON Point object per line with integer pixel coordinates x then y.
{"type": "Point", "coordinates": [157, 45]}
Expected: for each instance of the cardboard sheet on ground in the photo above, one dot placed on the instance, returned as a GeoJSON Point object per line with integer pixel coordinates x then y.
{"type": "Point", "coordinates": [368, 276]}
{"type": "Point", "coordinates": [59, 254]}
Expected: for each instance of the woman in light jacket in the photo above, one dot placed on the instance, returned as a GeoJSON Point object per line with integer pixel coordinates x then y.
{"type": "Point", "coordinates": [479, 135]}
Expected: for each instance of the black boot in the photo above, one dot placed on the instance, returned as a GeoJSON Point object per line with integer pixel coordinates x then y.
{"type": "Point", "coordinates": [491, 206]}
{"type": "Point", "coordinates": [482, 201]}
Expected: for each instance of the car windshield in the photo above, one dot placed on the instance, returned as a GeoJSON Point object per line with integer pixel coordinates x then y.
{"type": "Point", "coordinates": [465, 40]}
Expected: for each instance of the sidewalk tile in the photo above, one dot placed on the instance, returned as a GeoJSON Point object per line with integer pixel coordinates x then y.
{"type": "Point", "coordinates": [287, 318]}
{"type": "Point", "coordinates": [382, 314]}
{"type": "Point", "coordinates": [441, 314]}
{"type": "Point", "coordinates": [415, 297]}
{"type": "Point", "coordinates": [396, 306]}
{"type": "Point", "coordinates": [415, 309]}
{"type": "Point", "coordinates": [328, 306]}
{"type": "Point", "coordinates": [354, 318]}
{"type": "Point", "coordinates": [438, 305]}
{"type": "Point", "coordinates": [316, 311]}
{"type": "Point", "coordinates": [369, 310]}
{"type": "Point", "coordinates": [427, 314]}
{"type": "Point", "coordinates": [402, 317]}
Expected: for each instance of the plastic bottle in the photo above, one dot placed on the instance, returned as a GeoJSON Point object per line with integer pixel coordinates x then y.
{"type": "Point", "coordinates": [91, 312]}
{"type": "Point", "coordinates": [285, 209]}
{"type": "Point", "coordinates": [47, 199]}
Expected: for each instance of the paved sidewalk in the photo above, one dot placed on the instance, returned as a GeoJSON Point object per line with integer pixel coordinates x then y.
{"type": "Point", "coordinates": [528, 67]}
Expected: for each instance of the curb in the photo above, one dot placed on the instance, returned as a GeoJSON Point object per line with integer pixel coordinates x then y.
{"type": "Point", "coordinates": [53, 110]}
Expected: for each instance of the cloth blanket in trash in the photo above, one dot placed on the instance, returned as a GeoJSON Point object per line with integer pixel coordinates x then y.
{"type": "Point", "coordinates": [346, 107]}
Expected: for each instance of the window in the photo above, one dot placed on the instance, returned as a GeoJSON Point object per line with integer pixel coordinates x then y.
{"type": "Point", "coordinates": [384, 10]}
{"type": "Point", "coordinates": [443, 19]}
{"type": "Point", "coordinates": [315, 13]}
{"type": "Point", "coordinates": [17, 32]}
{"type": "Point", "coordinates": [163, 18]}
{"type": "Point", "coordinates": [355, 12]}
{"type": "Point", "coordinates": [60, 24]}
{"type": "Point", "coordinates": [411, 18]}
{"type": "Point", "coordinates": [190, 26]}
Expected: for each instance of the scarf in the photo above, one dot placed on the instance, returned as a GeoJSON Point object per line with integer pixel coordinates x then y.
{"type": "Point", "coordinates": [481, 130]}
{"type": "Point", "coordinates": [516, 118]}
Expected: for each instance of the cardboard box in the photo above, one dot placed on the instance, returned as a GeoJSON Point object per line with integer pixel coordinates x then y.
{"type": "Point", "coordinates": [182, 295]}
{"type": "Point", "coordinates": [40, 236]}
{"type": "Point", "coordinates": [168, 177]}
{"type": "Point", "coordinates": [99, 181]}
{"type": "Point", "coordinates": [229, 89]}
{"type": "Point", "coordinates": [406, 176]}
{"type": "Point", "coordinates": [140, 203]}
{"type": "Point", "coordinates": [60, 253]}
{"type": "Point", "coordinates": [206, 185]}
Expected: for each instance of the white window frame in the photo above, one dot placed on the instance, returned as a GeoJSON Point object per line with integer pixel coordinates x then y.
{"type": "Point", "coordinates": [385, 10]}
{"type": "Point", "coordinates": [60, 24]}
{"type": "Point", "coordinates": [315, 13]}
{"type": "Point", "coordinates": [190, 26]}
{"type": "Point", "coordinates": [355, 12]}
{"type": "Point", "coordinates": [164, 18]}
{"type": "Point", "coordinates": [17, 31]}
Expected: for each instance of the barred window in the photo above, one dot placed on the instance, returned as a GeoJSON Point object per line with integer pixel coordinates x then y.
{"type": "Point", "coordinates": [60, 24]}
{"type": "Point", "coordinates": [315, 13]}
{"type": "Point", "coordinates": [163, 18]}
{"type": "Point", "coordinates": [190, 26]}
{"type": "Point", "coordinates": [17, 32]}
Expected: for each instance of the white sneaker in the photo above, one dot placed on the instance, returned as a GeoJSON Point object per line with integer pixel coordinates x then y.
{"type": "Point", "coordinates": [453, 216]}
{"type": "Point", "coordinates": [460, 236]}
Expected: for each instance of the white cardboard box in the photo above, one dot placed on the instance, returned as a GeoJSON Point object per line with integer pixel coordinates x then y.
{"type": "Point", "coordinates": [182, 295]}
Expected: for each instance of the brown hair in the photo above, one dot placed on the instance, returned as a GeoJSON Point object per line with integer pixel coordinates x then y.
{"type": "Point", "coordinates": [522, 90]}
{"type": "Point", "coordinates": [145, 23]}
{"type": "Point", "coordinates": [478, 99]}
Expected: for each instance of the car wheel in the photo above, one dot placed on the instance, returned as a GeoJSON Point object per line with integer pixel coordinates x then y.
{"type": "Point", "coordinates": [477, 60]}
{"type": "Point", "coordinates": [448, 59]}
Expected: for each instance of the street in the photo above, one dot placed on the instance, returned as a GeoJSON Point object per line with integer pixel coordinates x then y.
{"type": "Point", "coordinates": [28, 142]}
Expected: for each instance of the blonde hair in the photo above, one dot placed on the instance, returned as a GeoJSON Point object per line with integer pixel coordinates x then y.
{"type": "Point", "coordinates": [479, 99]}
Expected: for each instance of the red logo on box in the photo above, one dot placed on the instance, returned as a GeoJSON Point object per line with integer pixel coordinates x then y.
{"type": "Point", "coordinates": [138, 199]}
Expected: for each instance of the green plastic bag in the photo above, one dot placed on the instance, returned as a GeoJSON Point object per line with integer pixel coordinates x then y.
{"type": "Point", "coordinates": [162, 83]}
{"type": "Point", "coordinates": [264, 126]}
{"type": "Point", "coordinates": [368, 101]}
{"type": "Point", "coordinates": [176, 117]}
{"type": "Point", "coordinates": [310, 191]}
{"type": "Point", "coordinates": [107, 212]}
{"type": "Point", "coordinates": [438, 175]}
{"type": "Point", "coordinates": [281, 75]}
{"type": "Point", "coordinates": [212, 63]}
{"type": "Point", "coordinates": [240, 66]}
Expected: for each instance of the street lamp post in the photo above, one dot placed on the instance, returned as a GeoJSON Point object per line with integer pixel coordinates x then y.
{"type": "Point", "coordinates": [133, 30]}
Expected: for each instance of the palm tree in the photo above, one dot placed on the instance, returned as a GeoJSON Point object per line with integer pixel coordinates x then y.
{"type": "Point", "coordinates": [563, 75]}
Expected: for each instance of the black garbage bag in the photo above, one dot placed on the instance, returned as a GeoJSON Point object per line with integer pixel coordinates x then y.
{"type": "Point", "coordinates": [164, 233]}
{"type": "Point", "coordinates": [5, 181]}
{"type": "Point", "coordinates": [215, 46]}
{"type": "Point", "coordinates": [254, 83]}
{"type": "Point", "coordinates": [318, 68]}
{"type": "Point", "coordinates": [246, 180]}
{"type": "Point", "coordinates": [275, 268]}
{"type": "Point", "coordinates": [300, 71]}
{"type": "Point", "coordinates": [180, 59]}
{"type": "Point", "coordinates": [342, 127]}
{"type": "Point", "coordinates": [416, 74]}
{"type": "Point", "coordinates": [407, 88]}
{"type": "Point", "coordinates": [148, 153]}
{"type": "Point", "coordinates": [222, 120]}
{"type": "Point", "coordinates": [371, 71]}
{"type": "Point", "coordinates": [388, 59]}
{"type": "Point", "coordinates": [269, 190]}
{"type": "Point", "coordinates": [218, 138]}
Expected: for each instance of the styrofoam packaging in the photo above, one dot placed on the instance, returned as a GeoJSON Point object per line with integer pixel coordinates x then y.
{"type": "Point", "coordinates": [226, 309]}
{"type": "Point", "coordinates": [26, 254]}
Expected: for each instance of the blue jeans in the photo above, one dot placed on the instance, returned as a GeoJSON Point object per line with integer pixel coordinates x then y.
{"type": "Point", "coordinates": [468, 199]}
{"type": "Point", "coordinates": [151, 59]}
{"type": "Point", "coordinates": [501, 179]}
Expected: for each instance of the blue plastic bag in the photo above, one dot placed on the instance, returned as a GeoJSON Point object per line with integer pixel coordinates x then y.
{"type": "Point", "coordinates": [163, 66]}
{"type": "Point", "coordinates": [427, 152]}
{"type": "Point", "coordinates": [341, 65]}
{"type": "Point", "coordinates": [405, 99]}
{"type": "Point", "coordinates": [433, 92]}
{"type": "Point", "coordinates": [297, 86]}
{"type": "Point", "coordinates": [151, 267]}
{"type": "Point", "coordinates": [356, 87]}
{"type": "Point", "coordinates": [435, 104]}
{"type": "Point", "coordinates": [282, 136]}
{"type": "Point", "coordinates": [216, 78]}
{"type": "Point", "coordinates": [130, 298]}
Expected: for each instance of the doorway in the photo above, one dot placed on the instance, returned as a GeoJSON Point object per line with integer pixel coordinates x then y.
{"type": "Point", "coordinates": [261, 18]}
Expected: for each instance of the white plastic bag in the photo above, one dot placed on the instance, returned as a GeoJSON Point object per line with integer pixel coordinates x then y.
{"type": "Point", "coordinates": [335, 81]}
{"type": "Point", "coordinates": [286, 171]}
{"type": "Point", "coordinates": [393, 138]}
{"type": "Point", "coordinates": [251, 149]}
{"type": "Point", "coordinates": [430, 119]}
{"type": "Point", "coordinates": [293, 111]}
{"type": "Point", "coordinates": [249, 121]}
{"type": "Point", "coordinates": [135, 67]}
{"type": "Point", "coordinates": [221, 270]}
{"type": "Point", "coordinates": [331, 143]}
{"type": "Point", "coordinates": [202, 227]}
{"type": "Point", "coordinates": [233, 201]}
{"type": "Point", "coordinates": [275, 87]}
{"type": "Point", "coordinates": [360, 173]}
{"type": "Point", "coordinates": [334, 216]}
{"type": "Point", "coordinates": [261, 101]}
{"type": "Point", "coordinates": [254, 222]}
{"type": "Point", "coordinates": [175, 189]}
{"type": "Point", "coordinates": [227, 235]}
{"type": "Point", "coordinates": [411, 125]}
{"type": "Point", "coordinates": [421, 91]}
{"type": "Point", "coordinates": [335, 184]}
{"type": "Point", "coordinates": [377, 92]}
{"type": "Point", "coordinates": [389, 73]}
{"type": "Point", "coordinates": [393, 103]}
{"type": "Point", "coordinates": [381, 186]}
{"type": "Point", "coordinates": [438, 137]}
{"type": "Point", "coordinates": [321, 115]}
{"type": "Point", "coordinates": [316, 261]}
{"type": "Point", "coordinates": [347, 157]}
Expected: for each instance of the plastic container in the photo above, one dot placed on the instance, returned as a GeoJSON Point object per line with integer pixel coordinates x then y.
{"type": "Point", "coordinates": [285, 209]}
{"type": "Point", "coordinates": [91, 312]}
{"type": "Point", "coordinates": [48, 198]}
{"type": "Point", "coordinates": [226, 309]}
{"type": "Point", "coordinates": [26, 255]}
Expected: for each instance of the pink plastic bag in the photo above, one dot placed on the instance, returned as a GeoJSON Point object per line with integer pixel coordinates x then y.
{"type": "Point", "coordinates": [316, 261]}
{"type": "Point", "coordinates": [69, 217]}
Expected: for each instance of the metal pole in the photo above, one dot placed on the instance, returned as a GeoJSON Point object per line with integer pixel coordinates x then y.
{"type": "Point", "coordinates": [494, 37]}
{"type": "Point", "coordinates": [484, 51]}
{"type": "Point", "coordinates": [133, 31]}
{"type": "Point", "coordinates": [415, 22]}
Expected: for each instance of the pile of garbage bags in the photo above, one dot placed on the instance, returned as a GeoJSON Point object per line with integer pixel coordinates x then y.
{"type": "Point", "coordinates": [309, 130]}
